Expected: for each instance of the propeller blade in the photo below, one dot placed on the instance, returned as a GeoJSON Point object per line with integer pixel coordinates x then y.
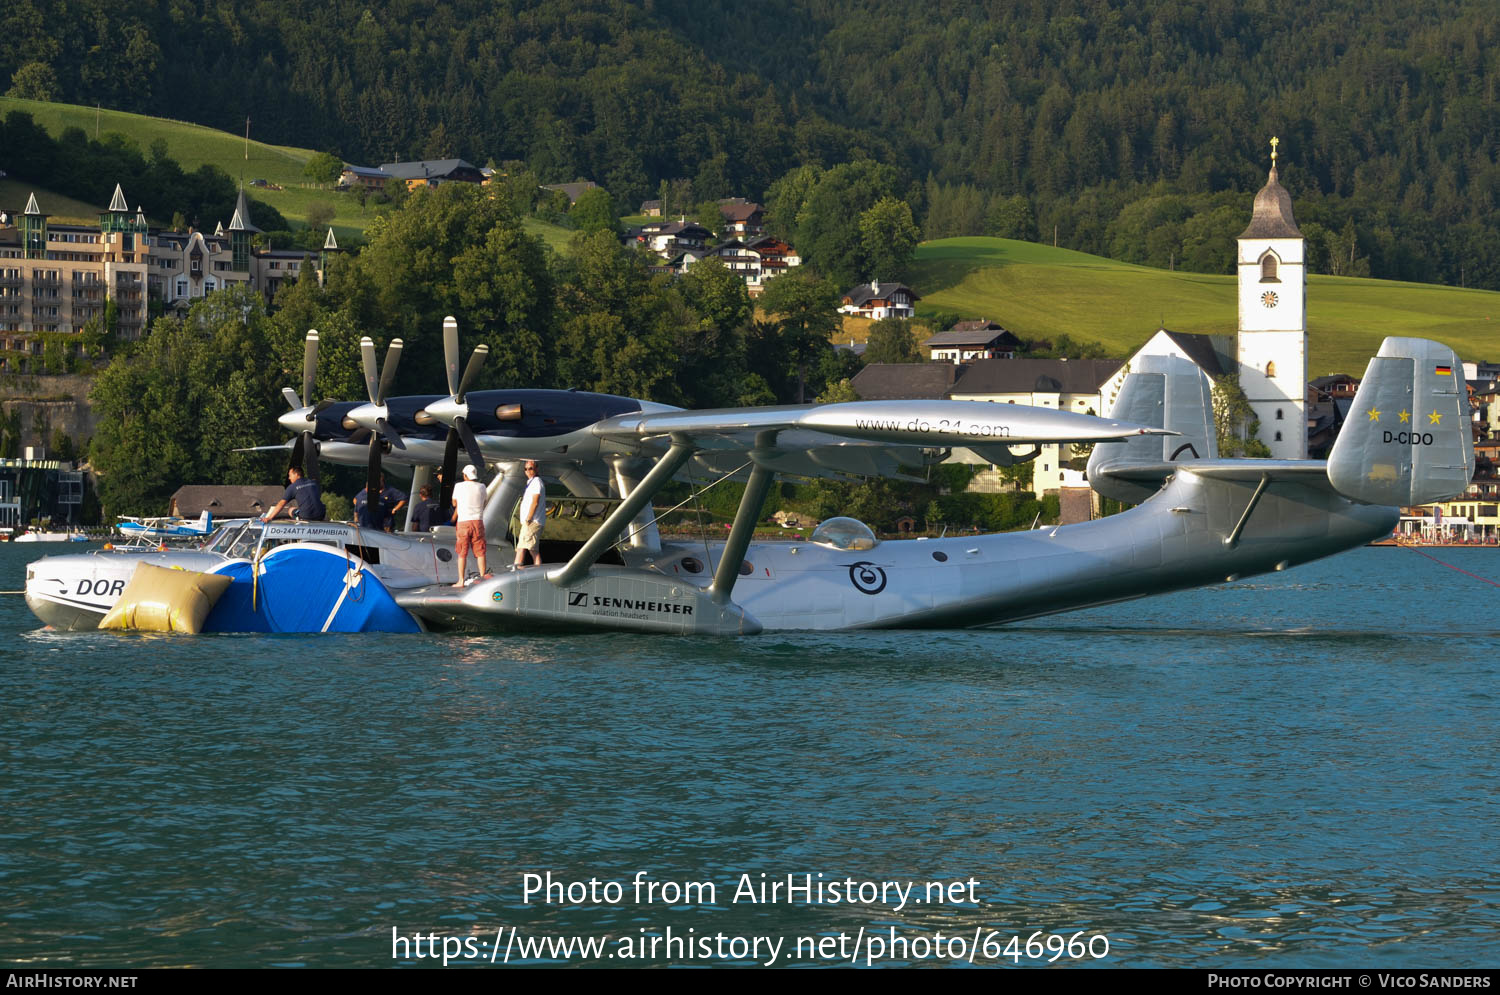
{"type": "Point", "coordinates": [298, 445]}
{"type": "Point", "coordinates": [389, 432]}
{"type": "Point", "coordinates": [471, 371]}
{"type": "Point", "coordinates": [367, 359]}
{"type": "Point", "coordinates": [359, 435]}
{"type": "Point", "coordinates": [388, 375]}
{"type": "Point", "coordinates": [309, 456]}
{"type": "Point", "coordinates": [450, 352]}
{"type": "Point", "coordinates": [291, 397]}
{"type": "Point", "coordinates": [309, 365]}
{"type": "Point", "coordinates": [450, 471]}
{"type": "Point", "coordinates": [372, 474]}
{"type": "Point", "coordinates": [321, 407]}
{"type": "Point", "coordinates": [471, 446]}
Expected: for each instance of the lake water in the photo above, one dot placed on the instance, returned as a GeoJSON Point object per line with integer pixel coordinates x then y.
{"type": "Point", "coordinates": [1296, 770]}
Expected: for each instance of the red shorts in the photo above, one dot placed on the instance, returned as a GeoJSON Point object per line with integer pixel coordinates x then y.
{"type": "Point", "coordinates": [470, 535]}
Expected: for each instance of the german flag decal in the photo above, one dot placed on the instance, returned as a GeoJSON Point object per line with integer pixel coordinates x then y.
{"type": "Point", "coordinates": [1444, 371]}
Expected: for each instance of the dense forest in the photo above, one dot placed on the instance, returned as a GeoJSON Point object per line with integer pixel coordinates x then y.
{"type": "Point", "coordinates": [1119, 127]}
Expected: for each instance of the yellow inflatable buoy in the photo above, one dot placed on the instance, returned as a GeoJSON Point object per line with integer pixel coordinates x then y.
{"type": "Point", "coordinates": [163, 599]}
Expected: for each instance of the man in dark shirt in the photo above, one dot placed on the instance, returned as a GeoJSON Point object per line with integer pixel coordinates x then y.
{"type": "Point", "coordinates": [380, 513]}
{"type": "Point", "coordinates": [424, 514]}
{"type": "Point", "coordinates": [305, 493]}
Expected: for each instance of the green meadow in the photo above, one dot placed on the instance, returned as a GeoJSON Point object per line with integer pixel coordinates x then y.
{"type": "Point", "coordinates": [194, 145]}
{"type": "Point", "coordinates": [1038, 291]}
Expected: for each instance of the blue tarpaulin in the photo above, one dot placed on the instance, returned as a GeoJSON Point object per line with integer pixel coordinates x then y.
{"type": "Point", "coordinates": [304, 587]}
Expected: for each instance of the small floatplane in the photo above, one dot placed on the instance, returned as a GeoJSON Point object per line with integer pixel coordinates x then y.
{"type": "Point", "coordinates": [168, 527]}
{"type": "Point", "coordinates": [1198, 519]}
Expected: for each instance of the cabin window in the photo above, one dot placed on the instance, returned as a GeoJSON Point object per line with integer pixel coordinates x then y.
{"type": "Point", "coordinates": [1271, 369]}
{"type": "Point", "coordinates": [1278, 414]}
{"type": "Point", "coordinates": [1268, 269]}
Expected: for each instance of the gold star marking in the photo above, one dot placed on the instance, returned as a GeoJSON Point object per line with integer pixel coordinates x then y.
{"type": "Point", "coordinates": [1435, 418]}
{"type": "Point", "coordinates": [1374, 415]}
{"type": "Point", "coordinates": [1405, 417]}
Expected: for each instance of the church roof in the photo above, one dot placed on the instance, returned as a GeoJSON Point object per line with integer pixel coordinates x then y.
{"type": "Point", "coordinates": [241, 219]}
{"type": "Point", "coordinates": [117, 203]}
{"type": "Point", "coordinates": [1272, 215]}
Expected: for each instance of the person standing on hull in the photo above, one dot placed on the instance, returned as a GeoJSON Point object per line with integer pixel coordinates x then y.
{"type": "Point", "coordinates": [533, 517]}
{"type": "Point", "coordinates": [468, 499]}
{"type": "Point", "coordinates": [424, 514]}
{"type": "Point", "coordinates": [305, 493]}
{"type": "Point", "coordinates": [380, 513]}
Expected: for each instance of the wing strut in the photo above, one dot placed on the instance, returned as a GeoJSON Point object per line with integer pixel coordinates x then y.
{"type": "Point", "coordinates": [620, 519]}
{"type": "Point", "coordinates": [1233, 538]}
{"type": "Point", "coordinates": [744, 525]}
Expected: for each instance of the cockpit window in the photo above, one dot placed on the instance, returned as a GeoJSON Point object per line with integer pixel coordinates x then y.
{"type": "Point", "coordinates": [844, 533]}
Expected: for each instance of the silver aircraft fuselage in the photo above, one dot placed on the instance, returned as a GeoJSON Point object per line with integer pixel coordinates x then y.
{"type": "Point", "coordinates": [1174, 541]}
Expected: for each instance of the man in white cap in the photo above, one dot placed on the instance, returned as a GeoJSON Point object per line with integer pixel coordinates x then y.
{"type": "Point", "coordinates": [533, 517]}
{"type": "Point", "coordinates": [468, 498]}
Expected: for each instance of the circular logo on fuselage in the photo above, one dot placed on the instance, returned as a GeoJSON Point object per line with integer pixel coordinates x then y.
{"type": "Point", "coordinates": [866, 577]}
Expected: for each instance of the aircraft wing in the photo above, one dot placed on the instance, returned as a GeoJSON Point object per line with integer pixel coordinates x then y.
{"type": "Point", "coordinates": [858, 437]}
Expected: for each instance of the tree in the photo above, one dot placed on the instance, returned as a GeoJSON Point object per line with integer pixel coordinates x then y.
{"type": "Point", "coordinates": [891, 341]}
{"type": "Point", "coordinates": [33, 81]}
{"type": "Point", "coordinates": [1234, 420]}
{"type": "Point", "coordinates": [173, 411]}
{"type": "Point", "coordinates": [1011, 217]}
{"type": "Point", "coordinates": [888, 237]}
{"type": "Point", "coordinates": [595, 210]}
{"type": "Point", "coordinates": [618, 324]}
{"type": "Point", "coordinates": [785, 350]}
{"type": "Point", "coordinates": [831, 231]}
{"type": "Point", "coordinates": [319, 215]}
{"type": "Point", "coordinates": [710, 351]}
{"type": "Point", "coordinates": [455, 250]}
{"type": "Point", "coordinates": [324, 168]}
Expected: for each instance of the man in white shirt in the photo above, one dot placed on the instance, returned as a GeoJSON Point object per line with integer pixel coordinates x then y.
{"type": "Point", "coordinates": [533, 517]}
{"type": "Point", "coordinates": [468, 498]}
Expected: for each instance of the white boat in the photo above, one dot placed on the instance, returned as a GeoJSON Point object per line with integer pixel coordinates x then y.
{"type": "Point", "coordinates": [51, 537]}
{"type": "Point", "coordinates": [75, 591]}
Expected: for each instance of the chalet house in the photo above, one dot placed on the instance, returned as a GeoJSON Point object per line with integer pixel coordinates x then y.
{"type": "Point", "coordinates": [971, 340]}
{"type": "Point", "coordinates": [676, 236]}
{"type": "Point", "coordinates": [363, 177]}
{"type": "Point", "coordinates": [432, 172]}
{"type": "Point", "coordinates": [743, 220]}
{"type": "Point", "coordinates": [876, 300]}
{"type": "Point", "coordinates": [574, 190]}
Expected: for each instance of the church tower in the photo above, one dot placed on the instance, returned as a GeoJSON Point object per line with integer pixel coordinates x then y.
{"type": "Point", "coordinates": [1273, 320]}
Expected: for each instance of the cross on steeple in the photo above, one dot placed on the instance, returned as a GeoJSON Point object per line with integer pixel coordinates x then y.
{"type": "Point", "coordinates": [1274, 142]}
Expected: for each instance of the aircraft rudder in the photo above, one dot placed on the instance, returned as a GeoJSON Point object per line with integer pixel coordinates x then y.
{"type": "Point", "coordinates": [1407, 439]}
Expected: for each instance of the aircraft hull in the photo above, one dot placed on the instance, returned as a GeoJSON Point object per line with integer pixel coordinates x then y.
{"type": "Point", "coordinates": [1175, 541]}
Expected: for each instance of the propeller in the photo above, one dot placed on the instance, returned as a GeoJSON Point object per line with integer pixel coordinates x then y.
{"type": "Point", "coordinates": [459, 432]}
{"type": "Point", "coordinates": [304, 413]}
{"type": "Point", "coordinates": [373, 415]}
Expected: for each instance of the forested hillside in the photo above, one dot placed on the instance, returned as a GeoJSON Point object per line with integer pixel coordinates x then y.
{"type": "Point", "coordinates": [1128, 128]}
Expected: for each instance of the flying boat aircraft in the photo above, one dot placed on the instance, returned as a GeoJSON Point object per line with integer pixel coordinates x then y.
{"type": "Point", "coordinates": [1198, 519]}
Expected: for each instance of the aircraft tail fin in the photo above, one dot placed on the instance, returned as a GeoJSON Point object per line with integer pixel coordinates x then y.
{"type": "Point", "coordinates": [1164, 392]}
{"type": "Point", "coordinates": [1407, 439]}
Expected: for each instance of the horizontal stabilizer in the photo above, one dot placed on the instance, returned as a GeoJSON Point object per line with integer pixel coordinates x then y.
{"type": "Point", "coordinates": [1166, 392]}
{"type": "Point", "coordinates": [1407, 438]}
